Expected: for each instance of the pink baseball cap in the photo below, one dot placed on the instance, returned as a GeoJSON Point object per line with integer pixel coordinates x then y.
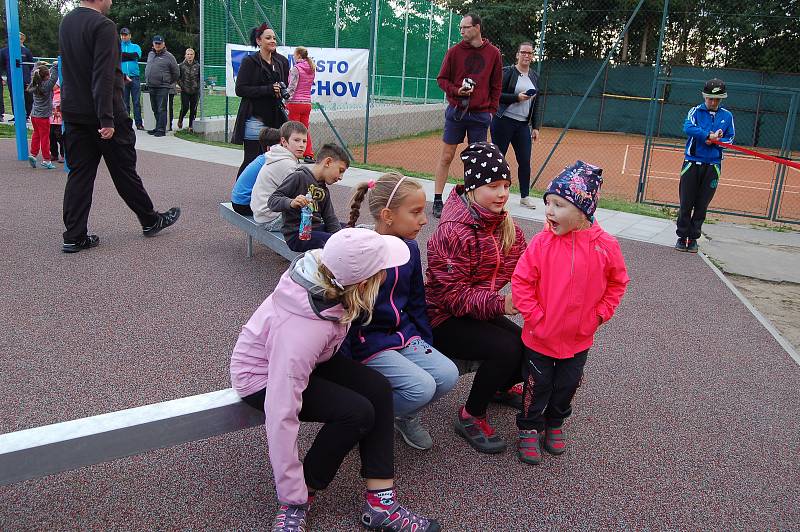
{"type": "Point", "coordinates": [355, 255]}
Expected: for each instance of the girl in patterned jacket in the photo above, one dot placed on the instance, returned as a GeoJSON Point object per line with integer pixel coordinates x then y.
{"type": "Point", "coordinates": [397, 342]}
{"type": "Point", "coordinates": [471, 257]}
{"type": "Point", "coordinates": [567, 284]}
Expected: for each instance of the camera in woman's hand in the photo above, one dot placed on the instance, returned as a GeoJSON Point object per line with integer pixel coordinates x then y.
{"type": "Point", "coordinates": [284, 90]}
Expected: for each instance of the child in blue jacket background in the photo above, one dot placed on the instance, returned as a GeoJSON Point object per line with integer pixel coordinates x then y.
{"type": "Point", "coordinates": [397, 342]}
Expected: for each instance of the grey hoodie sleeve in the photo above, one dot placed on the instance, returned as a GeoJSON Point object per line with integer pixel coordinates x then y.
{"type": "Point", "coordinates": [281, 199]}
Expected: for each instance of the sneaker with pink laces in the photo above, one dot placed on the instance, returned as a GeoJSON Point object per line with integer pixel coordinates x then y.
{"type": "Point", "coordinates": [291, 518]}
{"type": "Point", "coordinates": [554, 441]}
{"type": "Point", "coordinates": [478, 433]}
{"type": "Point", "coordinates": [528, 448]}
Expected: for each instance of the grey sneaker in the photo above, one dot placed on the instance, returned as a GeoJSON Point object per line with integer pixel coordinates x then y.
{"type": "Point", "coordinates": [414, 434]}
{"type": "Point", "coordinates": [32, 161]}
{"type": "Point", "coordinates": [478, 433]}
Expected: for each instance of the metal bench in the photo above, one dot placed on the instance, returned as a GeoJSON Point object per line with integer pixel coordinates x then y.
{"type": "Point", "coordinates": [274, 240]}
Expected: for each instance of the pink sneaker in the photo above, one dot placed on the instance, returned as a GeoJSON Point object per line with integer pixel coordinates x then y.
{"type": "Point", "coordinates": [528, 448]}
{"type": "Point", "coordinates": [554, 441]}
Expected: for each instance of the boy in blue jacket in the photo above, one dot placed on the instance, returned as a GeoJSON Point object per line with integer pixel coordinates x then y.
{"type": "Point", "coordinates": [702, 158]}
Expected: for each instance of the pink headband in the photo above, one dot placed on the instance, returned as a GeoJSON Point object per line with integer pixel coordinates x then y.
{"type": "Point", "coordinates": [389, 202]}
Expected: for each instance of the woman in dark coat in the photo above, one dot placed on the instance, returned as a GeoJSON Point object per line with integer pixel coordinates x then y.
{"type": "Point", "coordinates": [257, 85]}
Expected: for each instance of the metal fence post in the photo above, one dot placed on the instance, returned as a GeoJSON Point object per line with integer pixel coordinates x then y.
{"type": "Point", "coordinates": [786, 148]}
{"type": "Point", "coordinates": [336, 33]}
{"type": "Point", "coordinates": [405, 46]}
{"type": "Point", "coordinates": [227, 18]}
{"type": "Point", "coordinates": [651, 113]}
{"type": "Point", "coordinates": [374, 45]}
{"type": "Point", "coordinates": [449, 36]}
{"type": "Point", "coordinates": [283, 22]}
{"type": "Point", "coordinates": [202, 58]}
{"type": "Point", "coordinates": [373, 35]}
{"type": "Point", "coordinates": [542, 34]}
{"type": "Point", "coordinates": [428, 60]}
{"type": "Point", "coordinates": [15, 83]}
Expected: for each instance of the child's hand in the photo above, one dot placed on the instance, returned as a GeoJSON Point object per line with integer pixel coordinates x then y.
{"type": "Point", "coordinates": [510, 310]}
{"type": "Point", "coordinates": [299, 202]}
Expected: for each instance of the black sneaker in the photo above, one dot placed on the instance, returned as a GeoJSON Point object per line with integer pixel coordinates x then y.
{"type": "Point", "coordinates": [437, 208]}
{"type": "Point", "coordinates": [165, 219]}
{"type": "Point", "coordinates": [159, 134]}
{"type": "Point", "coordinates": [511, 397]}
{"type": "Point", "coordinates": [89, 241]}
{"type": "Point", "coordinates": [691, 246]}
{"type": "Point", "coordinates": [680, 245]}
{"type": "Point", "coordinates": [151, 131]}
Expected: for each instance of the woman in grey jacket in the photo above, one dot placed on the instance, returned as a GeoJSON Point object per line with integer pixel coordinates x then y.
{"type": "Point", "coordinates": [517, 119]}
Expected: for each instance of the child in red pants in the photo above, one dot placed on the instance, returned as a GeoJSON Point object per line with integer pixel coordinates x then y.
{"type": "Point", "coordinates": [41, 87]}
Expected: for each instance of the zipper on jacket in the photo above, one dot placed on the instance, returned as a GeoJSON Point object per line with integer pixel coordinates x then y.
{"type": "Point", "coordinates": [391, 296]}
{"type": "Point", "coordinates": [497, 264]}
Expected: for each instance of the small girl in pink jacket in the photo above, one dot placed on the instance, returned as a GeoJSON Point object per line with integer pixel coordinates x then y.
{"type": "Point", "coordinates": [567, 283]}
{"type": "Point", "coordinates": [284, 364]}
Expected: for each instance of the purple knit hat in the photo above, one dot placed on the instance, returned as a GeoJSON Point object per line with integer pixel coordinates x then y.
{"type": "Point", "coordinates": [580, 184]}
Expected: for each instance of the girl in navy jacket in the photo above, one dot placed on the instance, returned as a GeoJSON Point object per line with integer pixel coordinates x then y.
{"type": "Point", "coordinates": [397, 341]}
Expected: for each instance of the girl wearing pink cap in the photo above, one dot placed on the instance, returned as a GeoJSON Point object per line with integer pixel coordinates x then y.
{"type": "Point", "coordinates": [318, 297]}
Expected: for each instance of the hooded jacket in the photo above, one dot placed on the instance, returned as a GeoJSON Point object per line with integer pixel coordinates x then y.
{"type": "Point", "coordinates": [399, 314]}
{"type": "Point", "coordinates": [466, 265]}
{"type": "Point", "coordinates": [562, 284]}
{"type": "Point", "coordinates": [301, 77]}
{"type": "Point", "coordinates": [292, 332]}
{"type": "Point", "coordinates": [278, 163]}
{"type": "Point", "coordinates": [483, 65]}
{"type": "Point", "coordinates": [698, 124]}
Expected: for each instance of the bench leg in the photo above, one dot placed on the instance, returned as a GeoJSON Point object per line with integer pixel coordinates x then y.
{"type": "Point", "coordinates": [249, 247]}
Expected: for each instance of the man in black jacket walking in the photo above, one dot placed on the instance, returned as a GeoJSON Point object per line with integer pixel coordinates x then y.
{"type": "Point", "coordinates": [97, 125]}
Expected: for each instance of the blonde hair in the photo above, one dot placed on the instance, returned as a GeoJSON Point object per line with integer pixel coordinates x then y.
{"type": "Point", "coordinates": [303, 53]}
{"type": "Point", "coordinates": [380, 195]}
{"type": "Point", "coordinates": [508, 228]}
{"type": "Point", "coordinates": [357, 299]}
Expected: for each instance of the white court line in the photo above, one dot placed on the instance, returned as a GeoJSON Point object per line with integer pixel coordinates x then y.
{"type": "Point", "coordinates": [89, 426]}
{"type": "Point", "coordinates": [625, 159]}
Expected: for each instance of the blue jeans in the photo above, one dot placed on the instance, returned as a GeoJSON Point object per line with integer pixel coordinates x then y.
{"type": "Point", "coordinates": [507, 131]}
{"type": "Point", "coordinates": [418, 373]}
{"type": "Point", "coordinates": [158, 100]}
{"type": "Point", "coordinates": [131, 91]}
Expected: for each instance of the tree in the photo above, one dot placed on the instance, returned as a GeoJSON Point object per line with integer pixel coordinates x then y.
{"type": "Point", "coordinates": [178, 21]}
{"type": "Point", "coordinates": [39, 21]}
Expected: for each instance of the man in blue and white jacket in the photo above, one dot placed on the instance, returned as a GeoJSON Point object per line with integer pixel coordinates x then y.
{"type": "Point", "coordinates": [706, 123]}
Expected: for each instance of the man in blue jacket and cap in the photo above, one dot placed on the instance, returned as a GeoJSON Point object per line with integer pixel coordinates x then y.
{"type": "Point", "coordinates": [705, 124]}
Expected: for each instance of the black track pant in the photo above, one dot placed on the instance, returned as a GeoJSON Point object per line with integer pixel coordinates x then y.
{"type": "Point", "coordinates": [355, 404]}
{"type": "Point", "coordinates": [697, 187]}
{"type": "Point", "coordinates": [497, 342]}
{"type": "Point", "coordinates": [550, 385]}
{"type": "Point", "coordinates": [84, 148]}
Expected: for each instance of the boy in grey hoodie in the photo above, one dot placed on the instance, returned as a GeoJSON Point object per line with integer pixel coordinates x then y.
{"type": "Point", "coordinates": [280, 161]}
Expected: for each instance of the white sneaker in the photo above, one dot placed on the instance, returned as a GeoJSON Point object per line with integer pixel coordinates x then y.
{"type": "Point", "coordinates": [527, 202]}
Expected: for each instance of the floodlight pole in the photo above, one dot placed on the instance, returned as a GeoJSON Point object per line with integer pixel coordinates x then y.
{"type": "Point", "coordinates": [15, 78]}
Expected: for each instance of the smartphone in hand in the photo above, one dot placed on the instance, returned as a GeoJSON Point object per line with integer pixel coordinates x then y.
{"type": "Point", "coordinates": [531, 92]}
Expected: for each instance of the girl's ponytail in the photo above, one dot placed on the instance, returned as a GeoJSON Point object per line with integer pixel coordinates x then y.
{"type": "Point", "coordinates": [302, 51]}
{"type": "Point", "coordinates": [356, 199]}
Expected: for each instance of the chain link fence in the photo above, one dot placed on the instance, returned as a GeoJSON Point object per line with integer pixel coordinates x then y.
{"type": "Point", "coordinates": [617, 78]}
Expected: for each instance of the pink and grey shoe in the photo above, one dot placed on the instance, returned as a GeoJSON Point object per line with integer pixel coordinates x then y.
{"type": "Point", "coordinates": [478, 433]}
{"type": "Point", "coordinates": [529, 449]}
{"type": "Point", "coordinates": [554, 441]}
{"type": "Point", "coordinates": [511, 397]}
{"type": "Point", "coordinates": [291, 518]}
{"type": "Point", "coordinates": [395, 518]}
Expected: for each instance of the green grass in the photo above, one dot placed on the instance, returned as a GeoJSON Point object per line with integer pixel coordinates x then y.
{"type": "Point", "coordinates": [8, 132]}
{"type": "Point", "coordinates": [195, 137]}
{"type": "Point", "coordinates": [780, 228]}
